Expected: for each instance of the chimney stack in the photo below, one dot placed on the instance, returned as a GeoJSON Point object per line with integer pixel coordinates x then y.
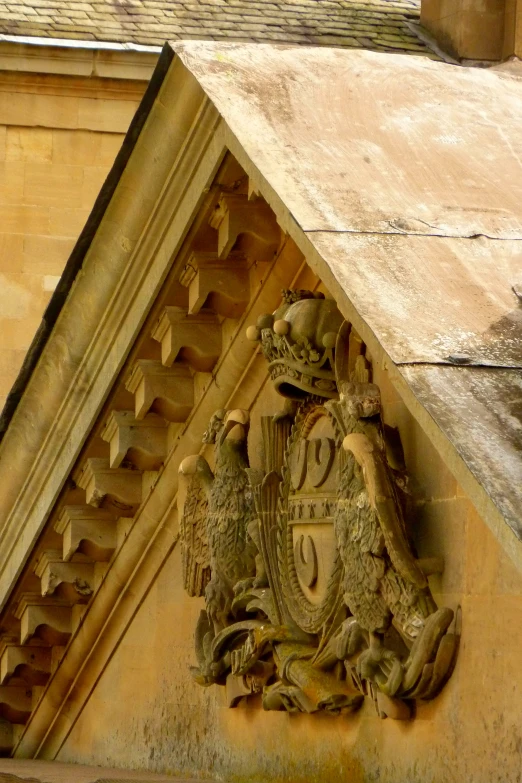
{"type": "Point", "coordinates": [475, 29]}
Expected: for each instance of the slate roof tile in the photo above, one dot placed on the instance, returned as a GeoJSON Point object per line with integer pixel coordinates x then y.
{"type": "Point", "coordinates": [371, 24]}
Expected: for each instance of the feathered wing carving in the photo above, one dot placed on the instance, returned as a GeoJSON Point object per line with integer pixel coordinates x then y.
{"type": "Point", "coordinates": [195, 473]}
{"type": "Point", "coordinates": [195, 553]}
{"type": "Point", "coordinates": [218, 553]}
{"type": "Point", "coordinates": [380, 568]}
{"type": "Point", "coordinates": [382, 578]}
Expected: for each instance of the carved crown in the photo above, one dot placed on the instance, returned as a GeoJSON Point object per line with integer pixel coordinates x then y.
{"type": "Point", "coordinates": [298, 341]}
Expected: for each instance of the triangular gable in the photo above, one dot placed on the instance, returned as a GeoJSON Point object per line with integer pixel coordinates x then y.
{"type": "Point", "coordinates": [162, 272]}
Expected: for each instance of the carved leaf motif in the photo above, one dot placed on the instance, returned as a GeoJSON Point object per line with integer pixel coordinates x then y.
{"type": "Point", "coordinates": [195, 553]}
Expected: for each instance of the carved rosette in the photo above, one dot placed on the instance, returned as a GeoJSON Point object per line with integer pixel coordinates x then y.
{"type": "Point", "coordinates": [314, 596]}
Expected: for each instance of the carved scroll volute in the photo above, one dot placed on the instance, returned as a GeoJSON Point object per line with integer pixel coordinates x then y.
{"type": "Point", "coordinates": [116, 489]}
{"type": "Point", "coordinates": [88, 530]}
{"type": "Point", "coordinates": [167, 391]}
{"type": "Point", "coordinates": [31, 664]}
{"type": "Point", "coordinates": [15, 703]}
{"type": "Point", "coordinates": [48, 619]}
{"type": "Point", "coordinates": [71, 580]}
{"type": "Point", "coordinates": [142, 442]}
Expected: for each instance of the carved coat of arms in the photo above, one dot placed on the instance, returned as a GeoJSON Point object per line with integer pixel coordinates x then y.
{"type": "Point", "coordinates": [314, 595]}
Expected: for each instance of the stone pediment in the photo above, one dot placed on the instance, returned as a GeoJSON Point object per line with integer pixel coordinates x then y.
{"type": "Point", "coordinates": [215, 214]}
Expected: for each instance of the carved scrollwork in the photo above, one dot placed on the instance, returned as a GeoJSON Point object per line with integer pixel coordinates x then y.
{"type": "Point", "coordinates": [314, 596]}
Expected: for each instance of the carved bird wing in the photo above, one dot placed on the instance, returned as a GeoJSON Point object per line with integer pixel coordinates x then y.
{"type": "Point", "coordinates": [196, 479]}
{"type": "Point", "coordinates": [360, 542]}
{"type": "Point", "coordinates": [383, 501]}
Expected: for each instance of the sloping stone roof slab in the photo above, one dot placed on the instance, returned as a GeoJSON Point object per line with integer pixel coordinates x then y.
{"type": "Point", "coordinates": [403, 178]}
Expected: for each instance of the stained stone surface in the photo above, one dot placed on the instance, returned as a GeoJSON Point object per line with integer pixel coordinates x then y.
{"type": "Point", "coordinates": [18, 771]}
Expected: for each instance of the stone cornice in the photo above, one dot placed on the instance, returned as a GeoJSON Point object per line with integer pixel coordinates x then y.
{"type": "Point", "coordinates": [77, 60]}
{"type": "Point", "coordinates": [236, 381]}
{"type": "Point", "coordinates": [90, 342]}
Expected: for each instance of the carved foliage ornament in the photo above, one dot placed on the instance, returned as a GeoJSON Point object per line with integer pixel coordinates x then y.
{"type": "Point", "coordinates": [314, 596]}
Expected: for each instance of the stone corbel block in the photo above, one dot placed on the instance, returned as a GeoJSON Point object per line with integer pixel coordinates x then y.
{"type": "Point", "coordinates": [236, 214]}
{"type": "Point", "coordinates": [143, 442]}
{"type": "Point", "coordinates": [76, 580]}
{"type": "Point", "coordinates": [31, 664]}
{"type": "Point", "coordinates": [223, 285]}
{"type": "Point", "coordinates": [168, 391]}
{"type": "Point", "coordinates": [48, 619]}
{"type": "Point", "coordinates": [15, 703]}
{"type": "Point", "coordinates": [198, 336]}
{"type": "Point", "coordinates": [117, 489]}
{"type": "Point", "coordinates": [91, 531]}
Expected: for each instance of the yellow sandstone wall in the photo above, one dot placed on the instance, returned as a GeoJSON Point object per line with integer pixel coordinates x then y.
{"type": "Point", "coordinates": [146, 712]}
{"type": "Point", "coordinates": [58, 140]}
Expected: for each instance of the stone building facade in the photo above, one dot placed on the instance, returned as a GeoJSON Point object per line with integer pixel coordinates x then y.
{"type": "Point", "coordinates": [64, 116]}
{"type": "Point", "coordinates": [354, 441]}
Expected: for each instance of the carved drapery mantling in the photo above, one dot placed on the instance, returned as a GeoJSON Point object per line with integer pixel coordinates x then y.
{"type": "Point", "coordinates": [314, 596]}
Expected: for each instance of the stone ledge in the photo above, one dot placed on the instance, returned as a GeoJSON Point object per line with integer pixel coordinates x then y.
{"type": "Point", "coordinates": [36, 771]}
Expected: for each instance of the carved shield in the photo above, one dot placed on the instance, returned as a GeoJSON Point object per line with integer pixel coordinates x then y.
{"type": "Point", "coordinates": [310, 565]}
